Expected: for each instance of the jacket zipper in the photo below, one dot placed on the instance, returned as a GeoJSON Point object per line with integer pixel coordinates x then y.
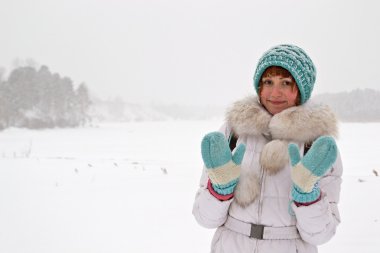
{"type": "Point", "coordinates": [262, 177]}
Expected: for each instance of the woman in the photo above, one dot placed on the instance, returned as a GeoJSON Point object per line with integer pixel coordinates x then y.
{"type": "Point", "coordinates": [272, 173]}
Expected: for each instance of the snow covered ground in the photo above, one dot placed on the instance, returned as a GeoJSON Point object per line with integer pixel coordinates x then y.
{"type": "Point", "coordinates": [130, 188]}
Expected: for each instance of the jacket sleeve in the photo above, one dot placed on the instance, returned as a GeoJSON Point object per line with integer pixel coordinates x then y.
{"type": "Point", "coordinates": [207, 209]}
{"type": "Point", "coordinates": [317, 223]}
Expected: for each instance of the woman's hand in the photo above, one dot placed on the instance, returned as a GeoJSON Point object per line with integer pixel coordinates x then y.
{"type": "Point", "coordinates": [307, 171]}
{"type": "Point", "coordinates": [223, 168]}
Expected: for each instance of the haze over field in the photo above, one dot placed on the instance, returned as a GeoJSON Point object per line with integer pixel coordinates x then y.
{"type": "Point", "coordinates": [189, 51]}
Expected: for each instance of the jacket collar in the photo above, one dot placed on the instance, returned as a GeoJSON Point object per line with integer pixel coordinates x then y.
{"type": "Point", "coordinates": [302, 123]}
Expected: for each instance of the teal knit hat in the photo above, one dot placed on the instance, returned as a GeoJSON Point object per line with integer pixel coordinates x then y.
{"type": "Point", "coordinates": [293, 59]}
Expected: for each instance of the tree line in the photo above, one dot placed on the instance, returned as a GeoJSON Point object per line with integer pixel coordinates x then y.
{"type": "Point", "coordinates": [37, 98]}
{"type": "Point", "coordinates": [360, 105]}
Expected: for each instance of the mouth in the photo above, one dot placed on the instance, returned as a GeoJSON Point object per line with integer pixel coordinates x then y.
{"type": "Point", "coordinates": [276, 102]}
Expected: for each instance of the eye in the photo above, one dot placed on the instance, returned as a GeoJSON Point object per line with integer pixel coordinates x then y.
{"type": "Point", "coordinates": [287, 83]}
{"type": "Point", "coordinates": [267, 82]}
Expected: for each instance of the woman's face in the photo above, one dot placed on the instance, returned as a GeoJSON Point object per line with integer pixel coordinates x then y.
{"type": "Point", "coordinates": [278, 93]}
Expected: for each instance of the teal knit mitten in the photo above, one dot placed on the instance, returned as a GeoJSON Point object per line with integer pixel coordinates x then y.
{"type": "Point", "coordinates": [307, 171]}
{"type": "Point", "coordinates": [223, 168]}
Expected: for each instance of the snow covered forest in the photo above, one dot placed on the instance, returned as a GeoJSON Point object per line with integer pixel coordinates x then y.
{"type": "Point", "coordinates": [36, 98]}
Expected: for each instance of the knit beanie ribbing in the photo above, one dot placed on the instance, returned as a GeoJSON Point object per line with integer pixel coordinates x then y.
{"type": "Point", "coordinates": [293, 59]}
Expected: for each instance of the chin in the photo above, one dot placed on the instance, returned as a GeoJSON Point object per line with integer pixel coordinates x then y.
{"type": "Point", "coordinates": [275, 111]}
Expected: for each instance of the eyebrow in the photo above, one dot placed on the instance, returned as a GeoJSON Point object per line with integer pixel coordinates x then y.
{"type": "Point", "coordinates": [281, 77]}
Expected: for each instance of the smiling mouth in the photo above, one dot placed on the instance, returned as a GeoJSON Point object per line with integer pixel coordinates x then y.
{"type": "Point", "coordinates": [277, 102]}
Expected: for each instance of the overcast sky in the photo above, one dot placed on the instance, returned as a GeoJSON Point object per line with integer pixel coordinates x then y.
{"type": "Point", "coordinates": [190, 51]}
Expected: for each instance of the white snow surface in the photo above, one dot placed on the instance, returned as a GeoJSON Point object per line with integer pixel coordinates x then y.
{"type": "Point", "coordinates": [105, 189]}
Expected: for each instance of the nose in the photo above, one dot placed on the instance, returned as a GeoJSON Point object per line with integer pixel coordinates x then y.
{"type": "Point", "coordinates": [276, 91]}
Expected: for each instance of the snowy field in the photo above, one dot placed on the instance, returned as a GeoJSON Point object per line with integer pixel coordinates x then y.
{"type": "Point", "coordinates": [130, 188]}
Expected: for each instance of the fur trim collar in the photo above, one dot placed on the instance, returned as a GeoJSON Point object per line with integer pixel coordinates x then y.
{"type": "Point", "coordinates": [301, 124]}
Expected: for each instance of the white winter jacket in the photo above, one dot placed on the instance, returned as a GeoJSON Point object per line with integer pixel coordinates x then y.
{"type": "Point", "coordinates": [262, 195]}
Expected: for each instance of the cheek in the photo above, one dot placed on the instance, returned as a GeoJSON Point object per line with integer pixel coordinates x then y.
{"type": "Point", "coordinates": [264, 93]}
{"type": "Point", "coordinates": [292, 97]}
